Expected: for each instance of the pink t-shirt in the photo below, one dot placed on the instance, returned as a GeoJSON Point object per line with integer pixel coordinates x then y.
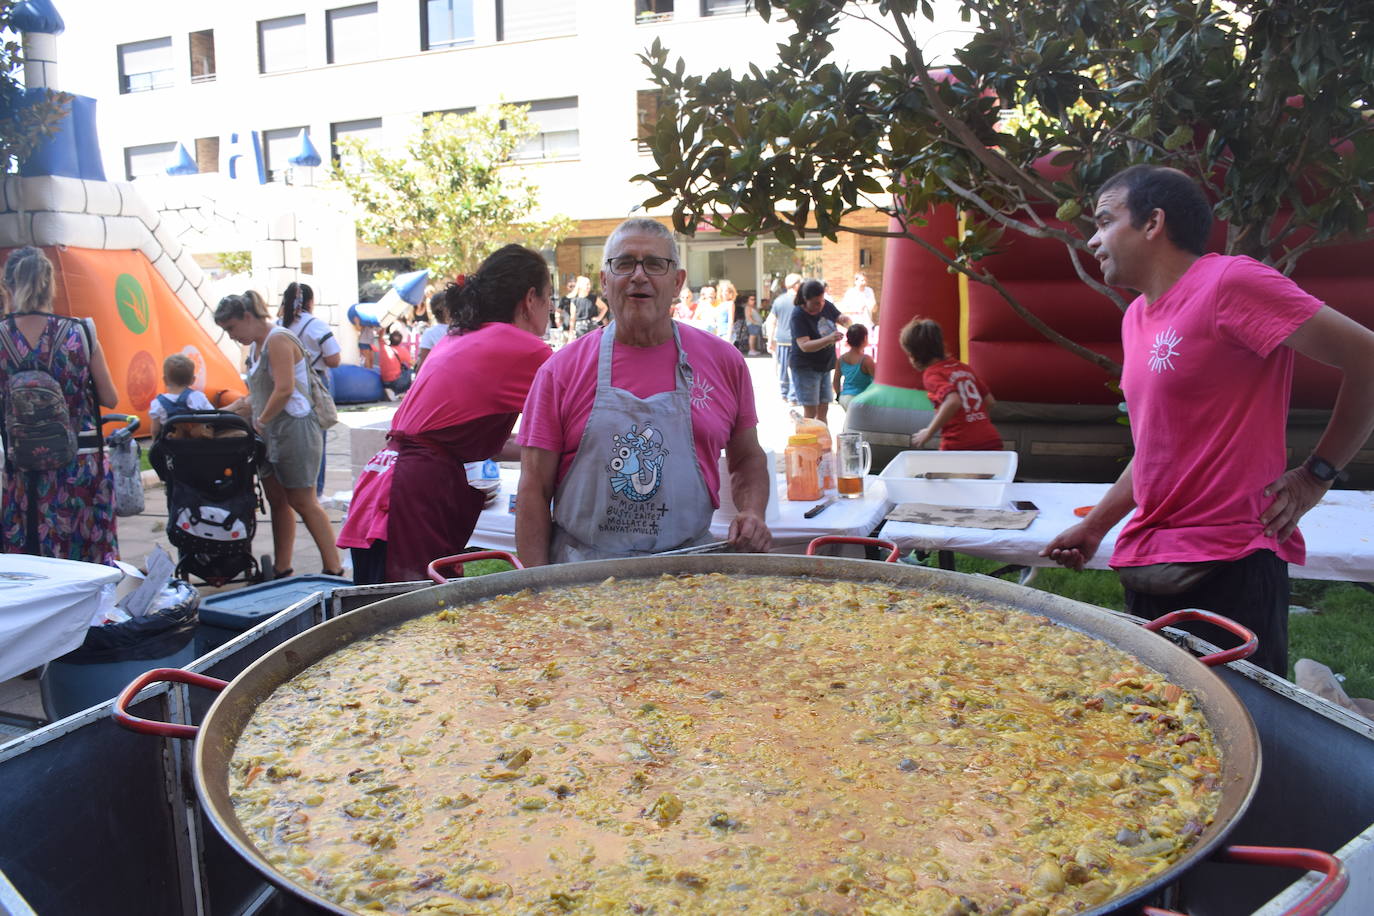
{"type": "Point", "coordinates": [486, 371]}
{"type": "Point", "coordinates": [722, 394]}
{"type": "Point", "coordinates": [1207, 385]}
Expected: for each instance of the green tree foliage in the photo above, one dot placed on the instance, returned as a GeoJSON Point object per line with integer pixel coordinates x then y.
{"type": "Point", "coordinates": [1266, 102]}
{"type": "Point", "coordinates": [22, 127]}
{"type": "Point", "coordinates": [453, 196]}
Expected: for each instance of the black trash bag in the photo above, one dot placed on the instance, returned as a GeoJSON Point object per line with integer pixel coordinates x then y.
{"type": "Point", "coordinates": [165, 630]}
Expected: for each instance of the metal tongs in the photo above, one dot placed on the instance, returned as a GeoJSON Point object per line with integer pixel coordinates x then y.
{"type": "Point", "coordinates": [709, 547]}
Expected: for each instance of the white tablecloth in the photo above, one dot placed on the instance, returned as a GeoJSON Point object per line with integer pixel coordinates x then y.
{"type": "Point", "coordinates": [791, 533]}
{"type": "Point", "coordinates": [1339, 532]}
{"type": "Point", "coordinates": [46, 606]}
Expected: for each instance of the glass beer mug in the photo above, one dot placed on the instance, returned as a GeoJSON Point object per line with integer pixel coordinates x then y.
{"type": "Point", "coordinates": [853, 458]}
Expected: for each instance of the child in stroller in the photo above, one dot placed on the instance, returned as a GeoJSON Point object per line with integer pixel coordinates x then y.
{"type": "Point", "coordinates": [212, 495]}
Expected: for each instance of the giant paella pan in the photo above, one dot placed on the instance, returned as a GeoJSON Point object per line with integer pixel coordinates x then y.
{"type": "Point", "coordinates": [770, 734]}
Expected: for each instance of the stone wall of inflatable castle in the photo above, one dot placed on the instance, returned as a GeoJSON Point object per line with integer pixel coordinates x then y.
{"type": "Point", "coordinates": [123, 251]}
{"type": "Point", "coordinates": [1056, 410]}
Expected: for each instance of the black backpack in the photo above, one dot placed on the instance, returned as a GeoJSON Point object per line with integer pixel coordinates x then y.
{"type": "Point", "coordinates": [39, 435]}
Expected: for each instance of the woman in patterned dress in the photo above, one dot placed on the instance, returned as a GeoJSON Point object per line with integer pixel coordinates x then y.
{"type": "Point", "coordinates": [69, 512]}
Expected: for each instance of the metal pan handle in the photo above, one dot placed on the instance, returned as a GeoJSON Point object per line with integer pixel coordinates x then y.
{"type": "Point", "coordinates": [893, 552]}
{"type": "Point", "coordinates": [1318, 900]}
{"type": "Point", "coordinates": [1244, 650]}
{"type": "Point", "coordinates": [160, 676]}
{"type": "Point", "coordinates": [455, 562]}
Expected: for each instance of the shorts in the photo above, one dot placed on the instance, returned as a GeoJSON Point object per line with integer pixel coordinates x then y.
{"type": "Point", "coordinates": [812, 386]}
{"type": "Point", "coordinates": [365, 347]}
{"type": "Point", "coordinates": [293, 450]}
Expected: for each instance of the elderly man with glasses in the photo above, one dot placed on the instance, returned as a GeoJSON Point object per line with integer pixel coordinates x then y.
{"type": "Point", "coordinates": [623, 428]}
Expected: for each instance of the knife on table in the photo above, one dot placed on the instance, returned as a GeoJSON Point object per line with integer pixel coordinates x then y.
{"type": "Point", "coordinates": [818, 508]}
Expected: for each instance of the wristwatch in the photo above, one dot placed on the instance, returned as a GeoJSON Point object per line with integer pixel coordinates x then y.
{"type": "Point", "coordinates": [1321, 469]}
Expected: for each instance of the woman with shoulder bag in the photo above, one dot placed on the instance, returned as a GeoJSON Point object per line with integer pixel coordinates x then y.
{"type": "Point", "coordinates": [59, 488]}
{"type": "Point", "coordinates": [279, 403]}
{"type": "Point", "coordinates": [297, 315]}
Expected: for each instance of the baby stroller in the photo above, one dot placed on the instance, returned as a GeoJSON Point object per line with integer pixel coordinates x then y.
{"type": "Point", "coordinates": [209, 462]}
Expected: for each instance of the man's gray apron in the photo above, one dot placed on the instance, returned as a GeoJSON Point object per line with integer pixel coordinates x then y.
{"type": "Point", "coordinates": [634, 487]}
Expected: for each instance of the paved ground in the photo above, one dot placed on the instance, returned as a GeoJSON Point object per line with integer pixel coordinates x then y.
{"type": "Point", "coordinates": [138, 534]}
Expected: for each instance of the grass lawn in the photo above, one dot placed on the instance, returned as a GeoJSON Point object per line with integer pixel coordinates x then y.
{"type": "Point", "coordinates": [1339, 632]}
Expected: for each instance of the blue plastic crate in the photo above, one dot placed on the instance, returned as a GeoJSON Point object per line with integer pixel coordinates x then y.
{"type": "Point", "coordinates": [227, 614]}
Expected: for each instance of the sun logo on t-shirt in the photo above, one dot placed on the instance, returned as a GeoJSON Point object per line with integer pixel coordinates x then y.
{"type": "Point", "coordinates": [1165, 349]}
{"type": "Point", "coordinates": [701, 394]}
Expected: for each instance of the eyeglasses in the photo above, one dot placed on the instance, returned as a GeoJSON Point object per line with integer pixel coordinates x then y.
{"type": "Point", "coordinates": [624, 265]}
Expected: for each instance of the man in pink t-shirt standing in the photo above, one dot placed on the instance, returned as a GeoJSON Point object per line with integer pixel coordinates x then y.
{"type": "Point", "coordinates": [623, 428]}
{"type": "Point", "coordinates": [1207, 368]}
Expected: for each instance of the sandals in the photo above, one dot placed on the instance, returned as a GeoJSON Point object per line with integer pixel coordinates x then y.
{"type": "Point", "coordinates": [332, 572]}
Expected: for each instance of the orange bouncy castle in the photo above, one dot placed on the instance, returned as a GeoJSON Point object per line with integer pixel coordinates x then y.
{"type": "Point", "coordinates": [139, 322]}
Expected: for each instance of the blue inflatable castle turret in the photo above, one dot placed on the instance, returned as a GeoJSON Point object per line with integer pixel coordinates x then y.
{"type": "Point", "coordinates": [74, 150]}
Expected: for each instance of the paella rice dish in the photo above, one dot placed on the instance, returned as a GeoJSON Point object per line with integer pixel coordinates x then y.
{"type": "Point", "coordinates": [720, 744]}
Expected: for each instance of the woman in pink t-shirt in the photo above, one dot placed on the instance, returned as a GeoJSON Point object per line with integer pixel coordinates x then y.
{"type": "Point", "coordinates": [412, 502]}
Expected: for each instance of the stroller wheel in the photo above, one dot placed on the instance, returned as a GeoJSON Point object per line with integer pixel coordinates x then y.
{"type": "Point", "coordinates": [265, 568]}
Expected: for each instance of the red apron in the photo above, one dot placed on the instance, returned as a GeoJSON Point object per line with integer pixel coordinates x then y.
{"type": "Point", "coordinates": [433, 509]}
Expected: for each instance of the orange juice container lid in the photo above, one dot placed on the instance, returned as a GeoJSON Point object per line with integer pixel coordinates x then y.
{"type": "Point", "coordinates": [802, 440]}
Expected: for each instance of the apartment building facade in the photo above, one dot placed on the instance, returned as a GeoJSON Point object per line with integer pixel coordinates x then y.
{"type": "Point", "coordinates": [201, 75]}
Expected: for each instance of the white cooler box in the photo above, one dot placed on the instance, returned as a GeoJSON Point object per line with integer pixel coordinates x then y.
{"type": "Point", "coordinates": [904, 476]}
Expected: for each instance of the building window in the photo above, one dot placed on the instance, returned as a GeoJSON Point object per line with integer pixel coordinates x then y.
{"type": "Point", "coordinates": [145, 65]}
{"type": "Point", "coordinates": [445, 24]}
{"type": "Point", "coordinates": [519, 20]}
{"type": "Point", "coordinates": [207, 154]}
{"type": "Point", "coordinates": [453, 111]}
{"type": "Point", "coordinates": [557, 123]}
{"type": "Point", "coordinates": [278, 146]}
{"type": "Point", "coordinates": [281, 44]}
{"type": "Point", "coordinates": [653, 10]}
{"type": "Point", "coordinates": [723, 7]}
{"type": "Point", "coordinates": [649, 104]}
{"type": "Point", "coordinates": [352, 33]}
{"type": "Point", "coordinates": [153, 159]}
{"type": "Point", "coordinates": [202, 56]}
{"type": "Point", "coordinates": [368, 129]}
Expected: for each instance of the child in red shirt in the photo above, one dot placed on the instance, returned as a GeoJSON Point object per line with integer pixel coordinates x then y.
{"type": "Point", "coordinates": [962, 402]}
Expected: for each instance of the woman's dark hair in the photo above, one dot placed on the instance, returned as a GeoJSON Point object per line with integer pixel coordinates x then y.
{"type": "Point", "coordinates": [856, 335]}
{"type": "Point", "coordinates": [231, 307]}
{"type": "Point", "coordinates": [297, 298]}
{"type": "Point", "coordinates": [923, 341]}
{"type": "Point", "coordinates": [809, 290]}
{"type": "Point", "coordinates": [1187, 215]}
{"type": "Point", "coordinates": [494, 291]}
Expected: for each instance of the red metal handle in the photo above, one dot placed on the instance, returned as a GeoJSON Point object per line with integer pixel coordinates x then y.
{"type": "Point", "coordinates": [1318, 900]}
{"type": "Point", "coordinates": [824, 539]}
{"type": "Point", "coordinates": [159, 676]}
{"type": "Point", "coordinates": [458, 559]}
{"type": "Point", "coordinates": [1244, 650]}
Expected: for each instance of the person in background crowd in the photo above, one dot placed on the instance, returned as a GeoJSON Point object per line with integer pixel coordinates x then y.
{"type": "Point", "coordinates": [729, 323]}
{"type": "Point", "coordinates": [1208, 349]}
{"type": "Point", "coordinates": [394, 366]}
{"type": "Point", "coordinates": [815, 323]}
{"type": "Point", "coordinates": [623, 429]}
{"type": "Point", "coordinates": [706, 309]}
{"type": "Point", "coordinates": [178, 375]}
{"type": "Point", "coordinates": [859, 302]}
{"type": "Point", "coordinates": [779, 329]}
{"type": "Point", "coordinates": [684, 309]}
{"type": "Point", "coordinates": [297, 315]}
{"type": "Point", "coordinates": [438, 306]}
{"type": "Point", "coordinates": [367, 340]}
{"type": "Point", "coordinates": [588, 311]}
{"type": "Point", "coordinates": [854, 370]}
{"type": "Point", "coordinates": [962, 402]}
{"type": "Point", "coordinates": [412, 502]}
{"type": "Point", "coordinates": [66, 512]}
{"type": "Point", "coordinates": [278, 402]}
{"type": "Point", "coordinates": [753, 324]}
